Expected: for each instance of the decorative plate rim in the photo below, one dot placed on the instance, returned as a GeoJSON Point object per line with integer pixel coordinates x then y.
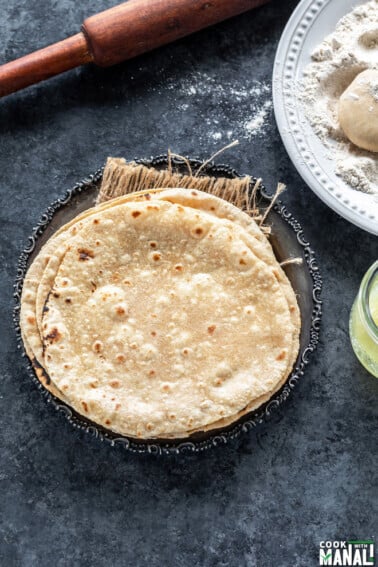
{"type": "Point", "coordinates": [293, 126]}
{"type": "Point", "coordinates": [220, 437]}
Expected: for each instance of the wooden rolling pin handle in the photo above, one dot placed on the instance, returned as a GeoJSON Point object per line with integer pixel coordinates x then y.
{"type": "Point", "coordinates": [120, 33]}
{"type": "Point", "coordinates": [44, 63]}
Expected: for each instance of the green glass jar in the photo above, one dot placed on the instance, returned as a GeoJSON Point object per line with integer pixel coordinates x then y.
{"type": "Point", "coordinates": [363, 325]}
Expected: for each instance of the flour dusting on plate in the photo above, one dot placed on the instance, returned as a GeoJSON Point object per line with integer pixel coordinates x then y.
{"type": "Point", "coordinates": [349, 50]}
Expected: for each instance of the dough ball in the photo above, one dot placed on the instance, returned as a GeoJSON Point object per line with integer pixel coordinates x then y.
{"type": "Point", "coordinates": [358, 111]}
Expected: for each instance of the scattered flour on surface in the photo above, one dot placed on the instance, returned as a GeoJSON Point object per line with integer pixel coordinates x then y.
{"type": "Point", "coordinates": [241, 111]}
{"type": "Point", "coordinates": [253, 126]}
{"type": "Point", "coordinates": [349, 50]}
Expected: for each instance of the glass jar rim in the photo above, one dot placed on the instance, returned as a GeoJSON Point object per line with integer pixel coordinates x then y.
{"type": "Point", "coordinates": [364, 293]}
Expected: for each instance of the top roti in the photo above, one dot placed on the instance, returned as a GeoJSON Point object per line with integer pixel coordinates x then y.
{"type": "Point", "coordinates": [41, 274]}
{"type": "Point", "coordinates": [162, 320]}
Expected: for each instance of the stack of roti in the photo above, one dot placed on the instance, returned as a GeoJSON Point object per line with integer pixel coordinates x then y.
{"type": "Point", "coordinates": [160, 314]}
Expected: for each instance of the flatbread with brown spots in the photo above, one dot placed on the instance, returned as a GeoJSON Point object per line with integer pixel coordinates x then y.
{"type": "Point", "coordinates": [162, 320]}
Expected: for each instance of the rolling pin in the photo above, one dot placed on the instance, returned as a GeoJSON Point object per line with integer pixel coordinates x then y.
{"type": "Point", "coordinates": [120, 33]}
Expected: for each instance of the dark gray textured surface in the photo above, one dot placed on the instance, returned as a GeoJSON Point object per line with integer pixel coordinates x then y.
{"type": "Point", "coordinates": [309, 474]}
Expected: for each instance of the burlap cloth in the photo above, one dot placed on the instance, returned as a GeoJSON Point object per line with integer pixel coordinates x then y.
{"type": "Point", "coordinates": [121, 178]}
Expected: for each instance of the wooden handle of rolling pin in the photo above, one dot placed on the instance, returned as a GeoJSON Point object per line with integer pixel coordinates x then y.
{"type": "Point", "coordinates": [120, 33]}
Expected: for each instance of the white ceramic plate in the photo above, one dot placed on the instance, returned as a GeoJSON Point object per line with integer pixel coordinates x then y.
{"type": "Point", "coordinates": [311, 21]}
